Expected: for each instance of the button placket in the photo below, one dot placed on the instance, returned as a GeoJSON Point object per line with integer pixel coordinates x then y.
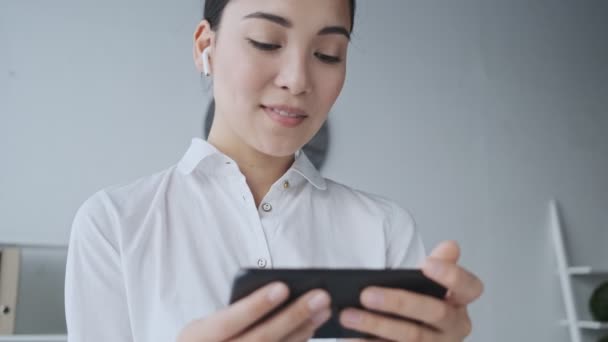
{"type": "Point", "coordinates": [272, 216]}
{"type": "Point", "coordinates": [260, 251]}
{"type": "Point", "coordinates": [262, 248]}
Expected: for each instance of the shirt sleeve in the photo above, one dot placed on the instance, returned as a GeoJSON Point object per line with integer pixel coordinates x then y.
{"type": "Point", "coordinates": [95, 296]}
{"type": "Point", "coordinates": [404, 245]}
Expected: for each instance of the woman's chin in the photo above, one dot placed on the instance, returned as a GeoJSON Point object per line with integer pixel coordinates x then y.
{"type": "Point", "coordinates": [279, 150]}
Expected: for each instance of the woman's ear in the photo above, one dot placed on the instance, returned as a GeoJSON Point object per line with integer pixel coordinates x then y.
{"type": "Point", "coordinates": [203, 37]}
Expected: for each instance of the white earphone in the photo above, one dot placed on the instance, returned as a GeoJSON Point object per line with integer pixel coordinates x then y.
{"type": "Point", "coordinates": [205, 57]}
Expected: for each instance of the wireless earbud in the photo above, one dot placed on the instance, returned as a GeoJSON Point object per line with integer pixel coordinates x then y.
{"type": "Point", "coordinates": [205, 57]}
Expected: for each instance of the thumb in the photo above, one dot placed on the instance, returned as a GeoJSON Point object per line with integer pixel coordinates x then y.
{"type": "Point", "coordinates": [447, 251]}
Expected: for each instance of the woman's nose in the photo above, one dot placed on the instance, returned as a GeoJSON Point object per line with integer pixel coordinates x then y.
{"type": "Point", "coordinates": [294, 75]}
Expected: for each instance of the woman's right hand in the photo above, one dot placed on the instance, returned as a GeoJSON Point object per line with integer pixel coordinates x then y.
{"type": "Point", "coordinates": [239, 321]}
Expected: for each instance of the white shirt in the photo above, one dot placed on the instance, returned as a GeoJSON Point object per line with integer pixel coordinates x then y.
{"type": "Point", "coordinates": [148, 257]}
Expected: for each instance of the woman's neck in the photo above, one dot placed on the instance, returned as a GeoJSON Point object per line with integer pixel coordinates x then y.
{"type": "Point", "coordinates": [260, 170]}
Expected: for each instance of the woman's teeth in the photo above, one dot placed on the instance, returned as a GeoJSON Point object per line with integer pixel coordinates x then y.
{"type": "Point", "coordinates": [286, 114]}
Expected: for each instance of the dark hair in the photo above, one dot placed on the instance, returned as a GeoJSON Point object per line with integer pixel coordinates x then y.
{"type": "Point", "coordinates": [215, 8]}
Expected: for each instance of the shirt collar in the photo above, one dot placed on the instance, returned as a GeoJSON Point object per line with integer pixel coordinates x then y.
{"type": "Point", "coordinates": [200, 150]}
{"type": "Point", "coordinates": [306, 169]}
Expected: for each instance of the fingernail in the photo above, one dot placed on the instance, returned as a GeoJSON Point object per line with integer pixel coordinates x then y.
{"type": "Point", "coordinates": [433, 267]}
{"type": "Point", "coordinates": [321, 317]}
{"type": "Point", "coordinates": [277, 292]}
{"type": "Point", "coordinates": [351, 317]}
{"type": "Point", "coordinates": [373, 298]}
{"type": "Point", "coordinates": [318, 301]}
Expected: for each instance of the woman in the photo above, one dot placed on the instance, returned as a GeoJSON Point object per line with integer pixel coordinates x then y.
{"type": "Point", "coordinates": [154, 260]}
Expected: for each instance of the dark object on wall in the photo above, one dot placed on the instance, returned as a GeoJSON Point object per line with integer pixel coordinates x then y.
{"type": "Point", "coordinates": [315, 150]}
{"type": "Point", "coordinates": [598, 304]}
{"type": "Point", "coordinates": [603, 339]}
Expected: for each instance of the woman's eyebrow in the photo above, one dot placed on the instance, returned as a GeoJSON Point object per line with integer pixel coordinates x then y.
{"type": "Point", "coordinates": [335, 30]}
{"type": "Point", "coordinates": [270, 17]}
{"type": "Point", "coordinates": [288, 24]}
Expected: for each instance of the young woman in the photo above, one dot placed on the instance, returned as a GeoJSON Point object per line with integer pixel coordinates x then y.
{"type": "Point", "coordinates": [154, 260]}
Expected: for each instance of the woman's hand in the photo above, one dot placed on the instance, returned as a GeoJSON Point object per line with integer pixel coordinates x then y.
{"type": "Point", "coordinates": [239, 321]}
{"type": "Point", "coordinates": [444, 320]}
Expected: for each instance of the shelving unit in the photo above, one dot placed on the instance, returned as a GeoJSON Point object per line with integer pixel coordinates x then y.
{"type": "Point", "coordinates": [566, 273]}
{"type": "Point", "coordinates": [586, 270]}
{"type": "Point", "coordinates": [591, 325]}
{"type": "Point", "coordinates": [12, 285]}
{"type": "Point", "coordinates": [33, 338]}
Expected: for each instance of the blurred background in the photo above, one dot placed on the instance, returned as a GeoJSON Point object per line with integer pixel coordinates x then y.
{"type": "Point", "coordinates": [473, 114]}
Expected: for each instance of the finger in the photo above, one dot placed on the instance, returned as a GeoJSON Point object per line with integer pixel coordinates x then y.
{"type": "Point", "coordinates": [291, 318]}
{"type": "Point", "coordinates": [464, 287]}
{"type": "Point", "coordinates": [385, 327]}
{"type": "Point", "coordinates": [307, 331]}
{"type": "Point", "coordinates": [447, 250]}
{"type": "Point", "coordinates": [466, 325]}
{"type": "Point", "coordinates": [237, 317]}
{"type": "Point", "coordinates": [434, 312]}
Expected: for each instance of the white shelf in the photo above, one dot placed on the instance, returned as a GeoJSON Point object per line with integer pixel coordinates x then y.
{"type": "Point", "coordinates": [33, 338]}
{"type": "Point", "coordinates": [586, 270]}
{"type": "Point", "coordinates": [591, 325]}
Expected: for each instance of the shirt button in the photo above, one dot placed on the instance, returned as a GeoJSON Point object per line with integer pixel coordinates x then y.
{"type": "Point", "coordinates": [266, 207]}
{"type": "Point", "coordinates": [261, 263]}
{"type": "Point", "coordinates": [286, 185]}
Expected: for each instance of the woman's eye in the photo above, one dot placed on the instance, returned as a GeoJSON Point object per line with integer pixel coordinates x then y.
{"type": "Point", "coordinates": [327, 58]}
{"type": "Point", "coordinates": [263, 46]}
{"type": "Point", "coordinates": [272, 47]}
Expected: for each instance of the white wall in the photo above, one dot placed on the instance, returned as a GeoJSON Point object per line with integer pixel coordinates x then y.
{"type": "Point", "coordinates": [472, 114]}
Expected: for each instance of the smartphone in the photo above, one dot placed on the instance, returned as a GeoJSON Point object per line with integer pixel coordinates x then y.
{"type": "Point", "coordinates": [344, 287]}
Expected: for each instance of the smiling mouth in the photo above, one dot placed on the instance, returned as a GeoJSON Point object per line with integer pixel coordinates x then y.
{"type": "Point", "coordinates": [285, 116]}
{"type": "Point", "coordinates": [286, 112]}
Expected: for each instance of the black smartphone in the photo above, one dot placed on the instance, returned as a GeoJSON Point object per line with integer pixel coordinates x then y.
{"type": "Point", "coordinates": [344, 287]}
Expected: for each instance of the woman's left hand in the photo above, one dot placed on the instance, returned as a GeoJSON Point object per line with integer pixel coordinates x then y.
{"type": "Point", "coordinates": [444, 320]}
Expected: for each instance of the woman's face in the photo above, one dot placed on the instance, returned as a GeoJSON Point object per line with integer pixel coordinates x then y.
{"type": "Point", "coordinates": [278, 67]}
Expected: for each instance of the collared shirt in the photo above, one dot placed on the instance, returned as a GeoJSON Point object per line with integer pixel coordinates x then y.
{"type": "Point", "coordinates": [148, 257]}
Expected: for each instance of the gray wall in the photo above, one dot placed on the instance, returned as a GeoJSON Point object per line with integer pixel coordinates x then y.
{"type": "Point", "coordinates": [472, 114]}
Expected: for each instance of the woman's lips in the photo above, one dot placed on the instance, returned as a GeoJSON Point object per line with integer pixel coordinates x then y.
{"type": "Point", "coordinates": [285, 116]}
